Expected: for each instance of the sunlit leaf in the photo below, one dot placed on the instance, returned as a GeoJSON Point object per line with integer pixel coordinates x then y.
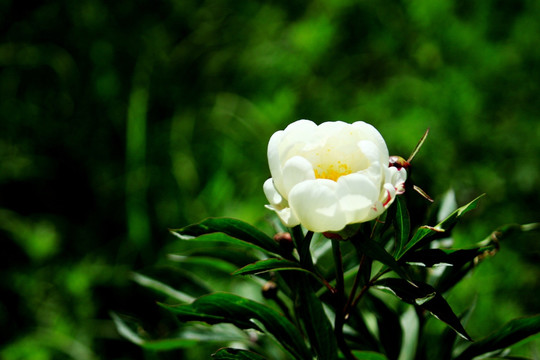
{"type": "Point", "coordinates": [426, 232]}
{"type": "Point", "coordinates": [228, 308]}
{"type": "Point", "coordinates": [426, 297]}
{"type": "Point", "coordinates": [272, 264]}
{"type": "Point", "coordinates": [236, 231]}
{"type": "Point", "coordinates": [368, 355]}
{"type": "Point", "coordinates": [236, 354]}
{"type": "Point", "coordinates": [127, 331]}
{"type": "Point", "coordinates": [402, 223]}
{"type": "Point", "coordinates": [513, 332]}
{"type": "Point", "coordinates": [316, 323]}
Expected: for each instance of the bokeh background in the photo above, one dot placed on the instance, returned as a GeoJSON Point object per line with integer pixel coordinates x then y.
{"type": "Point", "coordinates": [119, 120]}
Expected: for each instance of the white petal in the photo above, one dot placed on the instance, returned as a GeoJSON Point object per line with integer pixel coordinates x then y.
{"type": "Point", "coordinates": [296, 170]}
{"type": "Point", "coordinates": [369, 132]}
{"type": "Point", "coordinates": [271, 193]}
{"type": "Point", "coordinates": [315, 204]}
{"type": "Point", "coordinates": [274, 161]}
{"type": "Point", "coordinates": [356, 194]}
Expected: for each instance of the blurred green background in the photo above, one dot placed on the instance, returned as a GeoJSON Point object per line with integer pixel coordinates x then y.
{"type": "Point", "coordinates": [119, 120]}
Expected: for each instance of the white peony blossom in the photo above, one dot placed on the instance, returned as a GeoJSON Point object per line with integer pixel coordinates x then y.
{"type": "Point", "coordinates": [331, 175]}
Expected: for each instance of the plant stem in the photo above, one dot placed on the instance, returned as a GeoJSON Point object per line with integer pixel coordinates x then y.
{"type": "Point", "coordinates": [340, 300]}
{"type": "Point", "coordinates": [354, 287]}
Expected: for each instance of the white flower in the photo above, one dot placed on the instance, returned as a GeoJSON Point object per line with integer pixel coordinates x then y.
{"type": "Point", "coordinates": [328, 176]}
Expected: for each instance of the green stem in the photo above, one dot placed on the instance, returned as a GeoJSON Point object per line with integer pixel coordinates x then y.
{"type": "Point", "coordinates": [340, 302]}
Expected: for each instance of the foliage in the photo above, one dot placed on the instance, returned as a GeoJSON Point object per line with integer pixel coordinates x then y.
{"type": "Point", "coordinates": [302, 295]}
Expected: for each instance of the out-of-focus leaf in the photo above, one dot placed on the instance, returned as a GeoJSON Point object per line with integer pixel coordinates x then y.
{"type": "Point", "coordinates": [317, 324]}
{"type": "Point", "coordinates": [228, 308]}
{"type": "Point", "coordinates": [161, 287]}
{"type": "Point", "coordinates": [402, 223]}
{"type": "Point", "coordinates": [272, 264]}
{"type": "Point", "coordinates": [426, 232]}
{"type": "Point", "coordinates": [368, 355]}
{"type": "Point", "coordinates": [243, 233]}
{"type": "Point", "coordinates": [169, 279]}
{"type": "Point", "coordinates": [375, 251]}
{"type": "Point", "coordinates": [203, 261]}
{"type": "Point", "coordinates": [236, 354]}
{"type": "Point", "coordinates": [426, 297]}
{"type": "Point", "coordinates": [510, 334]}
{"type": "Point", "coordinates": [132, 335]}
{"type": "Point", "coordinates": [390, 332]}
{"type": "Point", "coordinates": [188, 337]}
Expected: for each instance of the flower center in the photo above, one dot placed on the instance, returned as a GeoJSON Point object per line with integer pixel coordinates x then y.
{"type": "Point", "coordinates": [332, 172]}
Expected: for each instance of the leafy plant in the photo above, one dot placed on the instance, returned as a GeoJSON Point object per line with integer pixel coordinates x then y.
{"type": "Point", "coordinates": [366, 292]}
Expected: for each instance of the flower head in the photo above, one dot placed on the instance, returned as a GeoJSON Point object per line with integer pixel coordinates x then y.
{"type": "Point", "coordinates": [328, 176]}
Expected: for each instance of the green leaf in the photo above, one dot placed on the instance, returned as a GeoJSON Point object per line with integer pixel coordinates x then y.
{"type": "Point", "coordinates": [237, 232]}
{"type": "Point", "coordinates": [126, 330]}
{"type": "Point", "coordinates": [425, 232]}
{"type": "Point", "coordinates": [510, 334]}
{"type": "Point", "coordinates": [426, 297]}
{"type": "Point", "coordinates": [402, 223]}
{"type": "Point", "coordinates": [377, 252]}
{"type": "Point", "coordinates": [272, 264]}
{"type": "Point", "coordinates": [228, 308]}
{"type": "Point", "coordinates": [368, 355]}
{"type": "Point", "coordinates": [236, 354]}
{"type": "Point", "coordinates": [442, 257]}
{"type": "Point", "coordinates": [390, 331]}
{"type": "Point", "coordinates": [316, 323]}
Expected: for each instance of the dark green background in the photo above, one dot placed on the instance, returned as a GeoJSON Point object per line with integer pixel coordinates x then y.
{"type": "Point", "coordinates": [119, 120]}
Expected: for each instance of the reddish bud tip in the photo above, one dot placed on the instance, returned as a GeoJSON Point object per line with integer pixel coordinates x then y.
{"type": "Point", "coordinates": [399, 162]}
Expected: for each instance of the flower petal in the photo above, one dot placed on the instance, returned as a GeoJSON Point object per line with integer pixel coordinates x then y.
{"type": "Point", "coordinates": [315, 204]}
{"type": "Point", "coordinates": [271, 193]}
{"type": "Point", "coordinates": [356, 194]}
{"type": "Point", "coordinates": [296, 170]}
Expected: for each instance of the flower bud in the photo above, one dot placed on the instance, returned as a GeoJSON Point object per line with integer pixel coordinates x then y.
{"type": "Point", "coordinates": [284, 239]}
{"type": "Point", "coordinates": [269, 290]}
{"type": "Point", "coordinates": [399, 162]}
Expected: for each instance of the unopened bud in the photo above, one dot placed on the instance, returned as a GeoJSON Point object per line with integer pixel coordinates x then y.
{"type": "Point", "coordinates": [284, 239]}
{"type": "Point", "coordinates": [399, 162]}
{"type": "Point", "coordinates": [269, 290]}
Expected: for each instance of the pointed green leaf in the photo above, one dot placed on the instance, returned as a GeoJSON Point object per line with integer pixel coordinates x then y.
{"type": "Point", "coordinates": [127, 331]}
{"type": "Point", "coordinates": [368, 355]}
{"type": "Point", "coordinates": [316, 323]}
{"type": "Point", "coordinates": [427, 298]}
{"type": "Point", "coordinates": [236, 231]}
{"type": "Point", "coordinates": [442, 257]}
{"type": "Point", "coordinates": [426, 232]}
{"type": "Point", "coordinates": [510, 334]}
{"type": "Point", "coordinates": [229, 308]}
{"type": "Point", "coordinates": [236, 354]}
{"type": "Point", "coordinates": [402, 223]}
{"type": "Point", "coordinates": [272, 264]}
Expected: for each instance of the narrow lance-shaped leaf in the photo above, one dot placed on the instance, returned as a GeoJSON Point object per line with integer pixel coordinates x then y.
{"type": "Point", "coordinates": [316, 322]}
{"type": "Point", "coordinates": [236, 229]}
{"type": "Point", "coordinates": [272, 264]}
{"type": "Point", "coordinates": [510, 334]}
{"type": "Point", "coordinates": [228, 308]}
{"type": "Point", "coordinates": [402, 223]}
{"type": "Point", "coordinates": [425, 232]}
{"type": "Point", "coordinates": [426, 297]}
{"type": "Point", "coordinates": [236, 354]}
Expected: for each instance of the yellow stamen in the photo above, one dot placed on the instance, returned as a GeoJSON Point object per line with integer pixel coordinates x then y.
{"type": "Point", "coordinates": [332, 172]}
